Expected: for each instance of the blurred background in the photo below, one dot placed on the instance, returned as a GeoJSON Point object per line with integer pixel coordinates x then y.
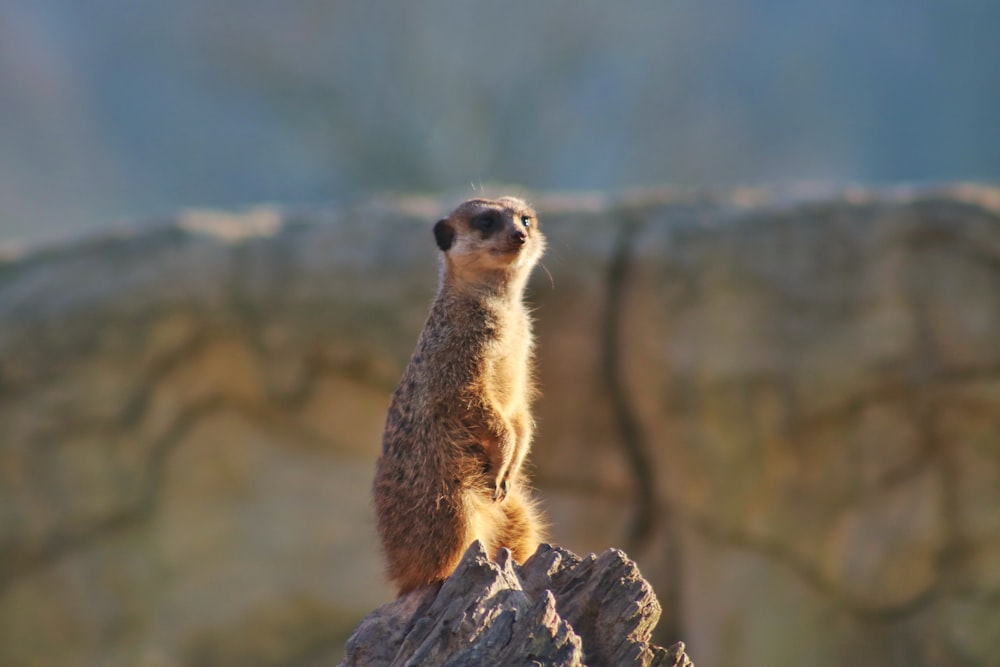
{"type": "Point", "coordinates": [113, 110]}
{"type": "Point", "coordinates": [784, 408]}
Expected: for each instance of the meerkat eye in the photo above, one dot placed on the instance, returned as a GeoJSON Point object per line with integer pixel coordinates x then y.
{"type": "Point", "coordinates": [526, 221]}
{"type": "Point", "coordinates": [484, 223]}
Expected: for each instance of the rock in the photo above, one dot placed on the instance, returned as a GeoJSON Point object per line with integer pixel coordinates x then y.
{"type": "Point", "coordinates": [784, 410]}
{"type": "Point", "coordinates": [557, 609]}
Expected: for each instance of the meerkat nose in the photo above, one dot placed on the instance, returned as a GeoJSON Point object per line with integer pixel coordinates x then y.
{"type": "Point", "coordinates": [518, 236]}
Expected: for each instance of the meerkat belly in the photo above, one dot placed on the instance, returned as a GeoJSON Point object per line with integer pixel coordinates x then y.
{"type": "Point", "coordinates": [508, 372]}
{"type": "Point", "coordinates": [510, 394]}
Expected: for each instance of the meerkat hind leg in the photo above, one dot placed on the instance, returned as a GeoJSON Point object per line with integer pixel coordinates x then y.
{"type": "Point", "coordinates": [432, 550]}
{"type": "Point", "coordinates": [522, 530]}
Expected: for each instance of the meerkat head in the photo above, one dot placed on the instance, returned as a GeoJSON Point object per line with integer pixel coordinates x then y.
{"type": "Point", "coordinates": [490, 240]}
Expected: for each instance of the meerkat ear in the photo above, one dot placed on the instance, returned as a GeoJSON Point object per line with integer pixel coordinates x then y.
{"type": "Point", "coordinates": [444, 234]}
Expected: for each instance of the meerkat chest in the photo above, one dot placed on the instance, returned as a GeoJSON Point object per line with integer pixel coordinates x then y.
{"type": "Point", "coordinates": [508, 369]}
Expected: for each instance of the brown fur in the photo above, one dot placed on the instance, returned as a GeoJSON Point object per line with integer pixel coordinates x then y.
{"type": "Point", "coordinates": [459, 426]}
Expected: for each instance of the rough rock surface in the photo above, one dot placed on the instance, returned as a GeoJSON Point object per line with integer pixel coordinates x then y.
{"type": "Point", "coordinates": [785, 410]}
{"type": "Point", "coordinates": [557, 609]}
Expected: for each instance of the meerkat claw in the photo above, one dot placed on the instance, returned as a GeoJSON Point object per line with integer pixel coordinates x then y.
{"type": "Point", "coordinates": [500, 492]}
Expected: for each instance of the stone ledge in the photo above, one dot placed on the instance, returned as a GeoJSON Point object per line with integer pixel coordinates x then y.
{"type": "Point", "coordinates": [556, 609]}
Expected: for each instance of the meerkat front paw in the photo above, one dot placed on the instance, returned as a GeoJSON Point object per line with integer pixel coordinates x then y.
{"type": "Point", "coordinates": [500, 490]}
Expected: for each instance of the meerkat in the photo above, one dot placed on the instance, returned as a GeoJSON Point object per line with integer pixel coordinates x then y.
{"type": "Point", "coordinates": [459, 425]}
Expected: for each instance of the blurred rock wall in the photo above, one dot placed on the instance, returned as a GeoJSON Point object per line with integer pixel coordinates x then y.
{"type": "Point", "coordinates": [112, 110]}
{"type": "Point", "coordinates": [787, 410]}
